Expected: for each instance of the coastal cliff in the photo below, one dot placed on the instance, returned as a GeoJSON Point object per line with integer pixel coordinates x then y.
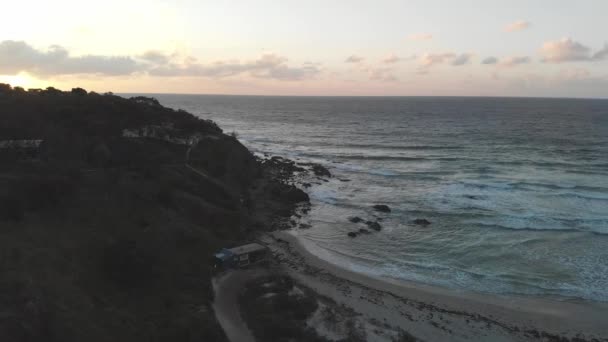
{"type": "Point", "coordinates": [110, 211]}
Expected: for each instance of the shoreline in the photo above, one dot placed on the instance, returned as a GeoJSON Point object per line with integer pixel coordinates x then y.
{"type": "Point", "coordinates": [434, 313]}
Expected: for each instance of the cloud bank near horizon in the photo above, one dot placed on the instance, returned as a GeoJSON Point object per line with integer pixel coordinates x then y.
{"type": "Point", "coordinates": [18, 56]}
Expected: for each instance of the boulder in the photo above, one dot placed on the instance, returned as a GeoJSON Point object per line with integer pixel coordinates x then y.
{"type": "Point", "coordinates": [355, 219]}
{"type": "Point", "coordinates": [364, 231]}
{"type": "Point", "coordinates": [352, 234]}
{"type": "Point", "coordinates": [382, 208]}
{"type": "Point", "coordinates": [422, 222]}
{"type": "Point", "coordinates": [374, 225]}
{"type": "Point", "coordinates": [320, 171]}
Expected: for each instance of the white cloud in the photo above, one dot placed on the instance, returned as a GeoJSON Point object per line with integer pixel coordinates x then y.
{"type": "Point", "coordinates": [382, 74]}
{"type": "Point", "coordinates": [514, 61]}
{"type": "Point", "coordinates": [155, 57]}
{"type": "Point", "coordinates": [518, 26]}
{"type": "Point", "coordinates": [18, 56]}
{"type": "Point", "coordinates": [354, 59]}
{"type": "Point", "coordinates": [391, 59]}
{"type": "Point", "coordinates": [270, 66]}
{"type": "Point", "coordinates": [564, 50]}
{"type": "Point", "coordinates": [430, 59]}
{"type": "Point", "coordinates": [420, 36]}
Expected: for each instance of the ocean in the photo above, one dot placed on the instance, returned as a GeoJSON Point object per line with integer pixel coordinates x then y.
{"type": "Point", "coordinates": [516, 188]}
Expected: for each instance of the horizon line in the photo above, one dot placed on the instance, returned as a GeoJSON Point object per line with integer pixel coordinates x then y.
{"type": "Point", "coordinates": [371, 96]}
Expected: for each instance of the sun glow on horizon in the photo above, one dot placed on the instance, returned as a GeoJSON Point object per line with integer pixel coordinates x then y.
{"type": "Point", "coordinates": [22, 80]}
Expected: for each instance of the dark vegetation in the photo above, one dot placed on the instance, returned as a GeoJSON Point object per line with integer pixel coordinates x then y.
{"type": "Point", "coordinates": [265, 297]}
{"type": "Point", "coordinates": [105, 237]}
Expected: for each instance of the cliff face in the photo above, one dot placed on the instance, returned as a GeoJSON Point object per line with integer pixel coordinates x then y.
{"type": "Point", "coordinates": [108, 224]}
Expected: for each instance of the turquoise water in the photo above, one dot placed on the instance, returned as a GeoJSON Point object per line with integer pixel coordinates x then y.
{"type": "Point", "coordinates": [516, 189]}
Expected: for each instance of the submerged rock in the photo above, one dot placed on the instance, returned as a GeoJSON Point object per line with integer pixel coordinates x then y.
{"type": "Point", "coordinates": [374, 225]}
{"type": "Point", "coordinates": [320, 171]}
{"type": "Point", "coordinates": [352, 234]}
{"type": "Point", "coordinates": [364, 231]}
{"type": "Point", "coordinates": [355, 219]}
{"type": "Point", "coordinates": [382, 208]}
{"type": "Point", "coordinates": [422, 222]}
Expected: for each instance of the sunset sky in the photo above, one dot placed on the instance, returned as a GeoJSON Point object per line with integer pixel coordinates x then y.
{"type": "Point", "coordinates": [318, 47]}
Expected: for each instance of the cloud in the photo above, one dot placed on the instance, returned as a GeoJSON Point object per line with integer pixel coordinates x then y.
{"type": "Point", "coordinates": [382, 74]}
{"type": "Point", "coordinates": [518, 26]}
{"type": "Point", "coordinates": [462, 59]}
{"type": "Point", "coordinates": [420, 36]}
{"type": "Point", "coordinates": [18, 56]}
{"type": "Point", "coordinates": [514, 61]}
{"type": "Point", "coordinates": [489, 60]}
{"type": "Point", "coordinates": [391, 59]}
{"type": "Point", "coordinates": [573, 74]}
{"type": "Point", "coordinates": [354, 59]}
{"type": "Point", "coordinates": [506, 62]}
{"type": "Point", "coordinates": [565, 50]}
{"type": "Point", "coordinates": [429, 59]}
{"type": "Point", "coordinates": [155, 57]}
{"type": "Point", "coordinates": [601, 54]}
{"type": "Point", "coordinates": [268, 66]}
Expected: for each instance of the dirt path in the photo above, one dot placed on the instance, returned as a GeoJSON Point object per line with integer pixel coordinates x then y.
{"type": "Point", "coordinates": [227, 288]}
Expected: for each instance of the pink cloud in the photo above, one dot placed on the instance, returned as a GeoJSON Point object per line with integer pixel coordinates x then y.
{"type": "Point", "coordinates": [518, 26]}
{"type": "Point", "coordinates": [420, 36]}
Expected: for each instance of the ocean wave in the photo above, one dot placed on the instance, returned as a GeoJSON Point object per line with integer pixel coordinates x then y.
{"type": "Point", "coordinates": [542, 229]}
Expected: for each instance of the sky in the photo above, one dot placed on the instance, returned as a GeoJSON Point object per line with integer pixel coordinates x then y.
{"type": "Point", "coordinates": [553, 48]}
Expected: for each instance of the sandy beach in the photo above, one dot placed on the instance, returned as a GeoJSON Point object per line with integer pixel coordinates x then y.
{"type": "Point", "coordinates": [436, 314]}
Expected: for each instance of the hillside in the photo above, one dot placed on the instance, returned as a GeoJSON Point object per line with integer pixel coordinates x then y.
{"type": "Point", "coordinates": [110, 211]}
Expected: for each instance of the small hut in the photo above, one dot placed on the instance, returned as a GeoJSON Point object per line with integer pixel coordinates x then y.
{"type": "Point", "coordinates": [241, 256]}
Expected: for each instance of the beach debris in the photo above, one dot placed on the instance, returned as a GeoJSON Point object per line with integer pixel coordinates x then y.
{"type": "Point", "coordinates": [374, 225]}
{"type": "Point", "coordinates": [355, 219]}
{"type": "Point", "coordinates": [382, 208]}
{"type": "Point", "coordinates": [352, 234]}
{"type": "Point", "coordinates": [422, 222]}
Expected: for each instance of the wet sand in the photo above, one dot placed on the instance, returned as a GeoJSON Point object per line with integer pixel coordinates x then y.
{"type": "Point", "coordinates": [437, 314]}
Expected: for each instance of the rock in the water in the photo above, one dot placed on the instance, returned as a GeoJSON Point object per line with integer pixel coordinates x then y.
{"type": "Point", "coordinates": [422, 222]}
{"type": "Point", "coordinates": [364, 231]}
{"type": "Point", "coordinates": [374, 225]}
{"type": "Point", "coordinates": [352, 234]}
{"type": "Point", "coordinates": [305, 226]}
{"type": "Point", "coordinates": [320, 171]}
{"type": "Point", "coordinates": [355, 219]}
{"type": "Point", "coordinates": [383, 208]}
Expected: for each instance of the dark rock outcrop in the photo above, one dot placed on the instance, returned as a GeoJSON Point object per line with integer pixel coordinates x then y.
{"type": "Point", "coordinates": [364, 231]}
{"type": "Point", "coordinates": [320, 171]}
{"type": "Point", "coordinates": [355, 219]}
{"type": "Point", "coordinates": [382, 208]}
{"type": "Point", "coordinates": [374, 225]}
{"type": "Point", "coordinates": [352, 234]}
{"type": "Point", "coordinates": [422, 222]}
